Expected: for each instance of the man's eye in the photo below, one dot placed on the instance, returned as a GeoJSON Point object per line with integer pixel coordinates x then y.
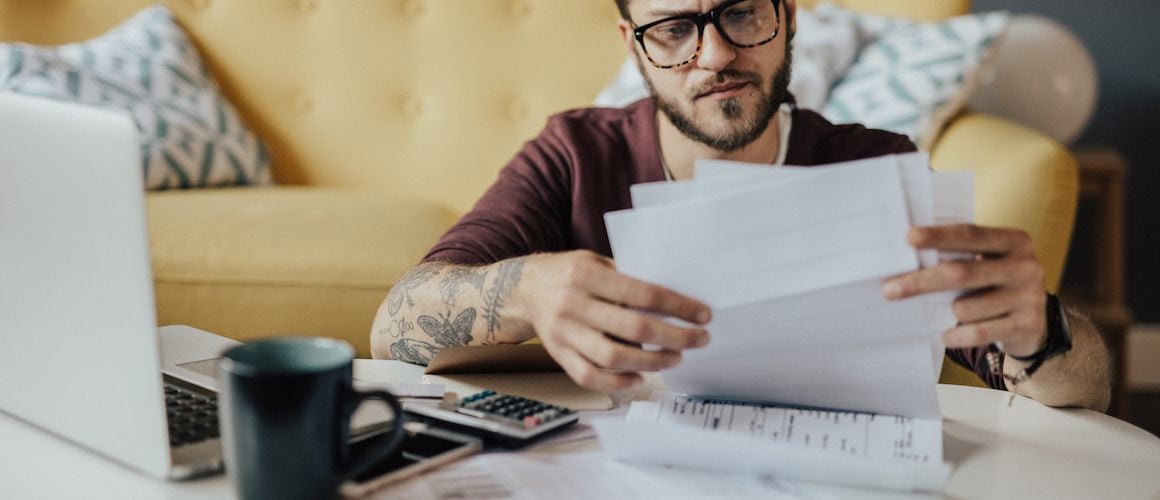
{"type": "Point", "coordinates": [739, 15]}
{"type": "Point", "coordinates": [674, 32]}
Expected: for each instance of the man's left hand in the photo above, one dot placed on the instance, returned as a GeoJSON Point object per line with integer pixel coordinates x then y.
{"type": "Point", "coordinates": [1006, 300]}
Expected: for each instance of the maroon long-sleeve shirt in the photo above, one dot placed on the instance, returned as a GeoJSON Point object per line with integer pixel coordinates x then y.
{"type": "Point", "coordinates": [553, 195]}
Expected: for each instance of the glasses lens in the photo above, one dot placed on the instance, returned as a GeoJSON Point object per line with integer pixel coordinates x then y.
{"type": "Point", "coordinates": [671, 42]}
{"type": "Point", "coordinates": [750, 22]}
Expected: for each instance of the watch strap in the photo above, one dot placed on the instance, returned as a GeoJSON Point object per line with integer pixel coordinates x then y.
{"type": "Point", "coordinates": [1057, 341]}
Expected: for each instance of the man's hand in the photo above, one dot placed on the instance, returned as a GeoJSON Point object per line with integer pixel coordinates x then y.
{"type": "Point", "coordinates": [1007, 302]}
{"type": "Point", "coordinates": [589, 318]}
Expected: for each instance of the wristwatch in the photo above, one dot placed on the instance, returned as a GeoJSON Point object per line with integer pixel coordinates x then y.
{"type": "Point", "coordinates": [1058, 340]}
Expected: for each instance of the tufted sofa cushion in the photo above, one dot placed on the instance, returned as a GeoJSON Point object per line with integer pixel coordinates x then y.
{"type": "Point", "coordinates": [284, 259]}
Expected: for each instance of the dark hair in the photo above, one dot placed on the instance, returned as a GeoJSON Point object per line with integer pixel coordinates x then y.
{"type": "Point", "coordinates": [622, 6]}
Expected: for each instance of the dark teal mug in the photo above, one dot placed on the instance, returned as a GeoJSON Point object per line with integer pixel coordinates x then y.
{"type": "Point", "coordinates": [286, 405]}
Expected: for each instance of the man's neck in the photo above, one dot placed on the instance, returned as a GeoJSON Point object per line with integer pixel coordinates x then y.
{"type": "Point", "coordinates": [679, 152]}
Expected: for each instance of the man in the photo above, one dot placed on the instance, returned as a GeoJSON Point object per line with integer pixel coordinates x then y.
{"type": "Point", "coordinates": [531, 259]}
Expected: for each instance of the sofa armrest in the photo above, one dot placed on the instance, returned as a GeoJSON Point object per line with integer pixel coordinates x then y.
{"type": "Point", "coordinates": [1023, 179]}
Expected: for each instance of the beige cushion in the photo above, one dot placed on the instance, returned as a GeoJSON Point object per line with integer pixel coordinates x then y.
{"type": "Point", "coordinates": [249, 263]}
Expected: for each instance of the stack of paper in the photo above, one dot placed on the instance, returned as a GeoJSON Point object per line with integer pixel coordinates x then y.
{"type": "Point", "coordinates": [791, 260]}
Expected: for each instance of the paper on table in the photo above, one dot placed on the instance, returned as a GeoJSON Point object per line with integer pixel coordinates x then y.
{"type": "Point", "coordinates": [771, 230]}
{"type": "Point", "coordinates": [536, 475]}
{"type": "Point", "coordinates": [839, 447]}
{"type": "Point", "coordinates": [401, 379]}
{"type": "Point", "coordinates": [860, 434]}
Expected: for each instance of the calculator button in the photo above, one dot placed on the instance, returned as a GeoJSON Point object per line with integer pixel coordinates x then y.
{"type": "Point", "coordinates": [530, 421]}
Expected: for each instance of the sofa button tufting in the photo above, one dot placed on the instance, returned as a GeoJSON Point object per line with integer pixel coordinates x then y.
{"type": "Point", "coordinates": [520, 8]}
{"type": "Point", "coordinates": [308, 5]}
{"type": "Point", "coordinates": [303, 103]}
{"type": "Point", "coordinates": [412, 107]}
{"type": "Point", "coordinates": [413, 8]}
{"type": "Point", "coordinates": [517, 109]}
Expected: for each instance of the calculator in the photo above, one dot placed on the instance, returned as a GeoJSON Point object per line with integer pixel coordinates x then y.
{"type": "Point", "coordinates": [500, 419]}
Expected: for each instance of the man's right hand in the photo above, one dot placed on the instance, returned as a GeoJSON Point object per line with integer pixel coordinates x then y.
{"type": "Point", "coordinates": [592, 319]}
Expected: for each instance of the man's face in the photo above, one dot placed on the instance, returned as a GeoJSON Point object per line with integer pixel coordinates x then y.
{"type": "Point", "coordinates": [727, 96]}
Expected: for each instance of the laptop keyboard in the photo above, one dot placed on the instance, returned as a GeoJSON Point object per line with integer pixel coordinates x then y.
{"type": "Point", "coordinates": [193, 416]}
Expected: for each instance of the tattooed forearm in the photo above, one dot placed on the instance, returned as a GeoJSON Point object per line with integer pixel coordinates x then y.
{"type": "Point", "coordinates": [506, 279]}
{"type": "Point", "coordinates": [402, 291]}
{"type": "Point", "coordinates": [457, 277]}
{"type": "Point", "coordinates": [436, 305]}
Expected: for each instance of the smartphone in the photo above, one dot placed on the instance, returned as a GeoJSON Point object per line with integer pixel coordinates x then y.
{"type": "Point", "coordinates": [425, 448]}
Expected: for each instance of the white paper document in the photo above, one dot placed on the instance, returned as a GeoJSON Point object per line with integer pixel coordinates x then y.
{"type": "Point", "coordinates": [587, 475]}
{"type": "Point", "coordinates": [866, 435]}
{"type": "Point", "coordinates": [791, 260]}
{"type": "Point", "coordinates": [851, 448]}
{"type": "Point", "coordinates": [760, 244]}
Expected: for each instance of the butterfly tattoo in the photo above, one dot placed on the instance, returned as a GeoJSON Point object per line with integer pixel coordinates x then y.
{"type": "Point", "coordinates": [446, 332]}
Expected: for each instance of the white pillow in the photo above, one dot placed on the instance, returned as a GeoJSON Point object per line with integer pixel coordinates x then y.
{"type": "Point", "coordinates": [912, 77]}
{"type": "Point", "coordinates": [190, 135]}
{"type": "Point", "coordinates": [825, 45]}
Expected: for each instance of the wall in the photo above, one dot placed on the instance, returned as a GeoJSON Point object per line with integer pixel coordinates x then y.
{"type": "Point", "coordinates": [1125, 42]}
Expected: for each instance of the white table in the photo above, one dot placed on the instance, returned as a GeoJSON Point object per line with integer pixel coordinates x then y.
{"type": "Point", "coordinates": [1002, 447]}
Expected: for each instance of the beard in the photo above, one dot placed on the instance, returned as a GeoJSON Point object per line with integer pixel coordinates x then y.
{"type": "Point", "coordinates": [742, 129]}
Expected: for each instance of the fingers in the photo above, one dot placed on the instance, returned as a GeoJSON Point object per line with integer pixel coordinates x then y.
{"type": "Point", "coordinates": [1021, 333]}
{"type": "Point", "coordinates": [597, 362]}
{"type": "Point", "coordinates": [604, 352]}
{"type": "Point", "coordinates": [964, 275]}
{"type": "Point", "coordinates": [971, 238]}
{"type": "Point", "coordinates": [588, 375]}
{"type": "Point", "coordinates": [977, 334]}
{"type": "Point", "coordinates": [620, 289]}
{"type": "Point", "coordinates": [640, 328]}
{"type": "Point", "coordinates": [995, 303]}
{"type": "Point", "coordinates": [607, 353]}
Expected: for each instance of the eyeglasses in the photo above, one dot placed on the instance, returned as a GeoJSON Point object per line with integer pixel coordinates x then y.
{"type": "Point", "coordinates": [676, 41]}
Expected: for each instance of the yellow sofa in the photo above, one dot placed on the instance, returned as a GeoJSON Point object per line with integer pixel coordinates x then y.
{"type": "Point", "coordinates": [386, 120]}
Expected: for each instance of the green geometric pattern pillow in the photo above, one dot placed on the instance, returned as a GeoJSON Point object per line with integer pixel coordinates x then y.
{"type": "Point", "coordinates": [913, 76]}
{"type": "Point", "coordinates": [190, 135]}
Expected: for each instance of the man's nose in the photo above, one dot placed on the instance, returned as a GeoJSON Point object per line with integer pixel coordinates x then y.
{"type": "Point", "coordinates": [716, 52]}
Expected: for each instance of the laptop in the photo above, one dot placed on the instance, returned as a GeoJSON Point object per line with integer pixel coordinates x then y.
{"type": "Point", "coordinates": [79, 348]}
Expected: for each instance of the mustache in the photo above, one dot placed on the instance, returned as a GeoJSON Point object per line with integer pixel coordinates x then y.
{"type": "Point", "coordinates": [726, 76]}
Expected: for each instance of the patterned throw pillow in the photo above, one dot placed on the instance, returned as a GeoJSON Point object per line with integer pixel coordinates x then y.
{"type": "Point", "coordinates": [190, 135]}
{"type": "Point", "coordinates": [912, 77]}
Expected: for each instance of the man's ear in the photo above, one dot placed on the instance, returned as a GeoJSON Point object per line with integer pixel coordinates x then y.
{"type": "Point", "coordinates": [791, 14]}
{"type": "Point", "coordinates": [627, 36]}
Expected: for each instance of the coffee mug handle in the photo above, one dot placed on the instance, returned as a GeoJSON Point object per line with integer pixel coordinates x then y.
{"type": "Point", "coordinates": [373, 456]}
